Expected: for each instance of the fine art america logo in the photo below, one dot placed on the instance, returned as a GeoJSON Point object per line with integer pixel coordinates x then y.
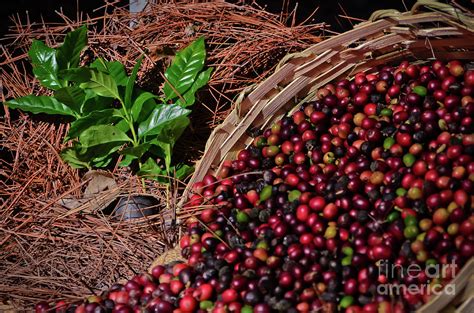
{"type": "Point", "coordinates": [433, 272]}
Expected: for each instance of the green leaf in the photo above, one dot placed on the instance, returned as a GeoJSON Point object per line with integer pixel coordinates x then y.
{"type": "Point", "coordinates": [170, 132]}
{"type": "Point", "coordinates": [100, 155]}
{"type": "Point", "coordinates": [184, 68]}
{"type": "Point", "coordinates": [78, 75]}
{"type": "Point", "coordinates": [45, 66]}
{"type": "Point", "coordinates": [137, 151]}
{"type": "Point", "coordinates": [151, 169]}
{"type": "Point", "coordinates": [94, 102]}
{"type": "Point", "coordinates": [106, 116]}
{"type": "Point", "coordinates": [117, 71]}
{"type": "Point", "coordinates": [102, 134]}
{"type": "Point", "coordinates": [123, 126]}
{"type": "Point", "coordinates": [102, 84]}
{"type": "Point", "coordinates": [201, 81]}
{"type": "Point", "coordinates": [127, 160]}
{"type": "Point", "coordinates": [138, 104]}
{"type": "Point", "coordinates": [167, 151]}
{"type": "Point", "coordinates": [75, 158]}
{"type": "Point", "coordinates": [161, 115]}
{"type": "Point", "coordinates": [131, 83]}
{"type": "Point", "coordinates": [71, 157]}
{"type": "Point", "coordinates": [40, 104]}
{"type": "Point", "coordinates": [102, 161]}
{"type": "Point", "coordinates": [73, 97]}
{"type": "Point", "coordinates": [69, 53]}
{"type": "Point", "coordinates": [99, 142]}
{"type": "Point", "coordinates": [156, 150]}
{"type": "Point", "coordinates": [145, 112]}
{"type": "Point", "coordinates": [99, 64]}
{"type": "Point", "coordinates": [114, 68]}
{"type": "Point", "coordinates": [183, 171]}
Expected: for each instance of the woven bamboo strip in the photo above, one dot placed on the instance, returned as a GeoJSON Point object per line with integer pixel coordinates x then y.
{"type": "Point", "coordinates": [460, 281]}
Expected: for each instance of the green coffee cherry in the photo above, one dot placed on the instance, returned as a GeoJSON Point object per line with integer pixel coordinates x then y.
{"type": "Point", "coordinates": [242, 217]}
{"type": "Point", "coordinates": [388, 143]}
{"type": "Point", "coordinates": [386, 112]}
{"type": "Point", "coordinates": [347, 251]}
{"type": "Point", "coordinates": [246, 309]}
{"type": "Point", "coordinates": [346, 261]}
{"type": "Point", "coordinates": [409, 159]}
{"type": "Point", "coordinates": [410, 220]}
{"type": "Point", "coordinates": [410, 232]}
{"type": "Point", "coordinates": [346, 302]}
{"type": "Point", "coordinates": [392, 217]}
{"type": "Point", "coordinates": [206, 305]}
{"type": "Point", "coordinates": [294, 195]}
{"type": "Point", "coordinates": [266, 193]}
{"type": "Point", "coordinates": [401, 192]}
{"type": "Point", "coordinates": [330, 232]}
{"type": "Point", "coordinates": [420, 90]}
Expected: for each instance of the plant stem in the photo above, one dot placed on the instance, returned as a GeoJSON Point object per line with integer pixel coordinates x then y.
{"type": "Point", "coordinates": [129, 120]}
{"type": "Point", "coordinates": [134, 135]}
{"type": "Point", "coordinates": [143, 179]}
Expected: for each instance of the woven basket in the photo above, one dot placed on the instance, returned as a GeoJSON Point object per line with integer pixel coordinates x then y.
{"type": "Point", "coordinates": [440, 32]}
{"type": "Point", "coordinates": [388, 36]}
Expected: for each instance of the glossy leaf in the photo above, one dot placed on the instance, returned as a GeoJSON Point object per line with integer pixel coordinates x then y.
{"type": "Point", "coordinates": [95, 103]}
{"type": "Point", "coordinates": [102, 134]}
{"type": "Point", "coordinates": [145, 112]}
{"type": "Point", "coordinates": [102, 84]}
{"type": "Point", "coordinates": [114, 68]}
{"type": "Point", "coordinates": [99, 142]}
{"type": "Point", "coordinates": [170, 132]}
{"type": "Point", "coordinates": [69, 53]}
{"type": "Point", "coordinates": [167, 152]}
{"type": "Point", "coordinates": [127, 160]}
{"type": "Point", "coordinates": [161, 115]}
{"type": "Point", "coordinates": [117, 71]}
{"type": "Point", "coordinates": [106, 116]}
{"type": "Point", "coordinates": [100, 155]}
{"type": "Point", "coordinates": [184, 69]}
{"type": "Point", "coordinates": [99, 64]}
{"type": "Point", "coordinates": [131, 83]}
{"type": "Point", "coordinates": [72, 96]}
{"type": "Point", "coordinates": [190, 95]}
{"type": "Point", "coordinates": [183, 171]}
{"type": "Point", "coordinates": [45, 66]}
{"type": "Point", "coordinates": [78, 75]}
{"type": "Point", "coordinates": [138, 104]}
{"type": "Point", "coordinates": [104, 160]}
{"type": "Point", "coordinates": [71, 157]}
{"type": "Point", "coordinates": [150, 169]}
{"type": "Point", "coordinates": [40, 104]}
{"type": "Point", "coordinates": [75, 157]}
{"type": "Point", "coordinates": [137, 151]}
{"type": "Point", "coordinates": [123, 126]}
{"type": "Point", "coordinates": [156, 150]}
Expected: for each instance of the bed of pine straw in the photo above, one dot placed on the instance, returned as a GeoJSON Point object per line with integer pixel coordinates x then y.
{"type": "Point", "coordinates": [46, 254]}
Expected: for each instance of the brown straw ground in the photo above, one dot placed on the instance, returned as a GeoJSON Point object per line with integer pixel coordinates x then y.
{"type": "Point", "coordinates": [45, 251]}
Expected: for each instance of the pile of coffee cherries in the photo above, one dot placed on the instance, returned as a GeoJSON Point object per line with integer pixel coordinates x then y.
{"type": "Point", "coordinates": [328, 205]}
